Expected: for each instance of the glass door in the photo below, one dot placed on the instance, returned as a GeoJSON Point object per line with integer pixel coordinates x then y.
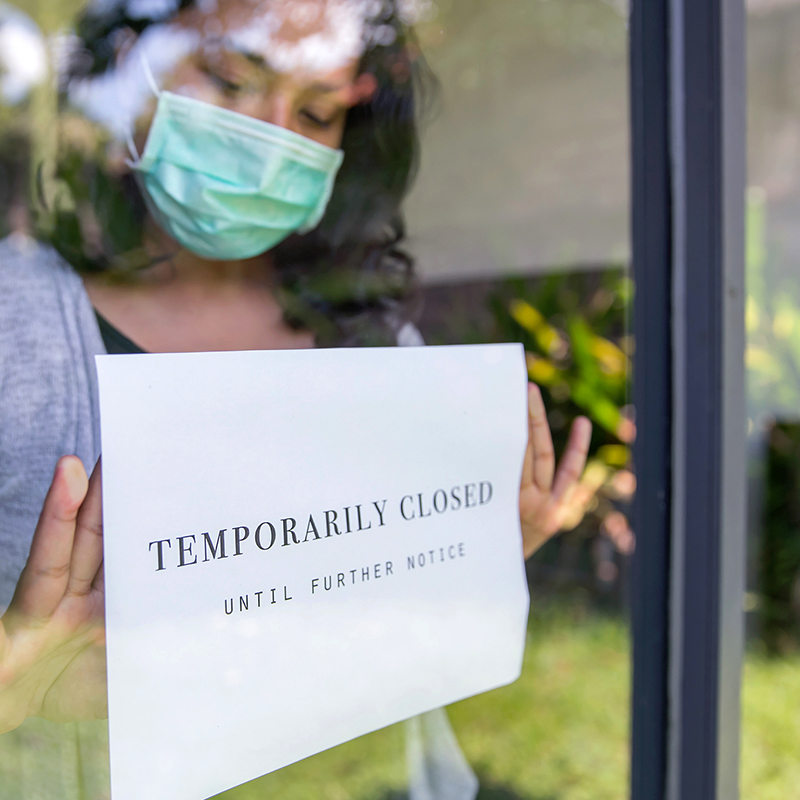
{"type": "Point", "coordinates": [491, 204]}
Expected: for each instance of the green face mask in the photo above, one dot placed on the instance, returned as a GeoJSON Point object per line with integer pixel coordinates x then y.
{"type": "Point", "coordinates": [227, 186]}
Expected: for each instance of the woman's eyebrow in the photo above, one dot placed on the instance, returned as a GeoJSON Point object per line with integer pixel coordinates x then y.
{"type": "Point", "coordinates": [320, 87]}
{"type": "Point", "coordinates": [329, 88]}
{"type": "Point", "coordinates": [231, 45]}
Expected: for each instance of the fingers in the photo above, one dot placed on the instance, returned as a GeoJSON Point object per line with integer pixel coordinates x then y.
{"type": "Point", "coordinates": [44, 579]}
{"type": "Point", "coordinates": [574, 459]}
{"type": "Point", "coordinates": [539, 460]}
{"type": "Point", "coordinates": [87, 551]}
{"type": "Point", "coordinates": [99, 583]}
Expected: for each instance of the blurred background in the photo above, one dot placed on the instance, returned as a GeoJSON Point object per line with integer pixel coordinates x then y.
{"type": "Point", "coordinates": [519, 224]}
{"type": "Point", "coordinates": [771, 688]}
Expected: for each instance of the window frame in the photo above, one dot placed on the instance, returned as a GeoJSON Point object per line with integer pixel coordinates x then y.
{"type": "Point", "coordinates": [688, 98]}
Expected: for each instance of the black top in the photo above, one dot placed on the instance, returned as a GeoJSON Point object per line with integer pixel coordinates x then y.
{"type": "Point", "coordinates": [116, 343]}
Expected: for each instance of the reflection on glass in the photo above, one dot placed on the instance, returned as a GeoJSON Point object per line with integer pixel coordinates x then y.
{"type": "Point", "coordinates": [517, 227]}
{"type": "Point", "coordinates": [519, 221]}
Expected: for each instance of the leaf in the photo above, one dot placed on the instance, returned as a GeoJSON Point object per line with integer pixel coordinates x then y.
{"type": "Point", "coordinates": [600, 408]}
{"type": "Point", "coordinates": [611, 359]}
{"type": "Point", "coordinates": [545, 335]}
{"type": "Point", "coordinates": [615, 455]}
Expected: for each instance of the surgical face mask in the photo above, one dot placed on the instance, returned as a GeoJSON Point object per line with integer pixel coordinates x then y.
{"type": "Point", "coordinates": [227, 186]}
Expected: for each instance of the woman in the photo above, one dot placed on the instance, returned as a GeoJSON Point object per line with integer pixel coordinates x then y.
{"type": "Point", "coordinates": [233, 181]}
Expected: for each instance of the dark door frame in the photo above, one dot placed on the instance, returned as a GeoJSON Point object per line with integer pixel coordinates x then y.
{"type": "Point", "coordinates": [688, 93]}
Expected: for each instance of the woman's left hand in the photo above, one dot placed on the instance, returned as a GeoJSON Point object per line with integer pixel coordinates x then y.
{"type": "Point", "coordinates": [545, 490]}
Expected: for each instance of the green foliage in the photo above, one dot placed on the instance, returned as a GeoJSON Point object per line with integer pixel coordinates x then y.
{"type": "Point", "coordinates": [772, 322]}
{"type": "Point", "coordinates": [779, 564]}
{"type": "Point", "coordinates": [772, 357]}
{"type": "Point", "coordinates": [573, 329]}
{"type": "Point", "coordinates": [96, 222]}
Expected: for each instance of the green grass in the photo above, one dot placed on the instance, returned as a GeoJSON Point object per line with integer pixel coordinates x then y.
{"type": "Point", "coordinates": [559, 733]}
{"type": "Point", "coordinates": [771, 728]}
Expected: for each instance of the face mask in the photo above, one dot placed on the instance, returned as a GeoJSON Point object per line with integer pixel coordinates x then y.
{"type": "Point", "coordinates": [227, 186]}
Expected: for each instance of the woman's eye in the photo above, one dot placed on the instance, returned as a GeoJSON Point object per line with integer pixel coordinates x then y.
{"type": "Point", "coordinates": [229, 86]}
{"type": "Point", "coordinates": [316, 120]}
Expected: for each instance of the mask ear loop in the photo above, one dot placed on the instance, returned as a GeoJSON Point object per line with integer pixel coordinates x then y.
{"type": "Point", "coordinates": [148, 74]}
{"type": "Point", "coordinates": [135, 158]}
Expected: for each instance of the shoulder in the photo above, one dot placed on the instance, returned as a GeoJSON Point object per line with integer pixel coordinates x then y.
{"type": "Point", "coordinates": [32, 274]}
{"type": "Point", "coordinates": [33, 281]}
{"type": "Point", "coordinates": [48, 332]}
{"type": "Point", "coordinates": [48, 337]}
{"type": "Point", "coordinates": [46, 321]}
{"type": "Point", "coordinates": [43, 304]}
{"type": "Point", "coordinates": [42, 299]}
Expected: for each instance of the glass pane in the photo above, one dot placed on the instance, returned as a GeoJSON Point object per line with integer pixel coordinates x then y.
{"type": "Point", "coordinates": [483, 197]}
{"type": "Point", "coordinates": [770, 761]}
{"type": "Point", "coordinates": [519, 220]}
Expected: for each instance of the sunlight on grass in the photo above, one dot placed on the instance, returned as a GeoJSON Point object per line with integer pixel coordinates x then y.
{"type": "Point", "coordinates": [771, 728]}
{"type": "Point", "coordinates": [559, 733]}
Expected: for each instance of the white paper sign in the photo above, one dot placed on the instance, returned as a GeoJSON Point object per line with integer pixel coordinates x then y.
{"type": "Point", "coordinates": [302, 547]}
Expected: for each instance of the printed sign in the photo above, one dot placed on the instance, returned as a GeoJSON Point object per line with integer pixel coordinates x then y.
{"type": "Point", "coordinates": [302, 547]}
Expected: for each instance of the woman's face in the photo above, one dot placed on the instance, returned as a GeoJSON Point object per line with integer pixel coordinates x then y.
{"type": "Point", "coordinates": [278, 61]}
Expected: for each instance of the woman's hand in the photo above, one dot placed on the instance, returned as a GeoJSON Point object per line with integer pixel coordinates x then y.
{"type": "Point", "coordinates": [52, 637]}
{"type": "Point", "coordinates": [543, 497]}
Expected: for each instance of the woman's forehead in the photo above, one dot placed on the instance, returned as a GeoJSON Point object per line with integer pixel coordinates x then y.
{"type": "Point", "coordinates": [298, 37]}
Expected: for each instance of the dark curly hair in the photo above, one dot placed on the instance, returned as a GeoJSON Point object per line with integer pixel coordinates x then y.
{"type": "Point", "coordinates": [349, 280]}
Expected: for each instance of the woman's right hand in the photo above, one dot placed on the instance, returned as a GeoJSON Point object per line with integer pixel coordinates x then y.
{"type": "Point", "coordinates": [52, 637]}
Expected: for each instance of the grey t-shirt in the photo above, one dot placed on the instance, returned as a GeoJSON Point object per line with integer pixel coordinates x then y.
{"type": "Point", "coordinates": [48, 388]}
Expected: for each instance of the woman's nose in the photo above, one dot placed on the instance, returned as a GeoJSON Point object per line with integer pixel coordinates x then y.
{"type": "Point", "coordinates": [277, 110]}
